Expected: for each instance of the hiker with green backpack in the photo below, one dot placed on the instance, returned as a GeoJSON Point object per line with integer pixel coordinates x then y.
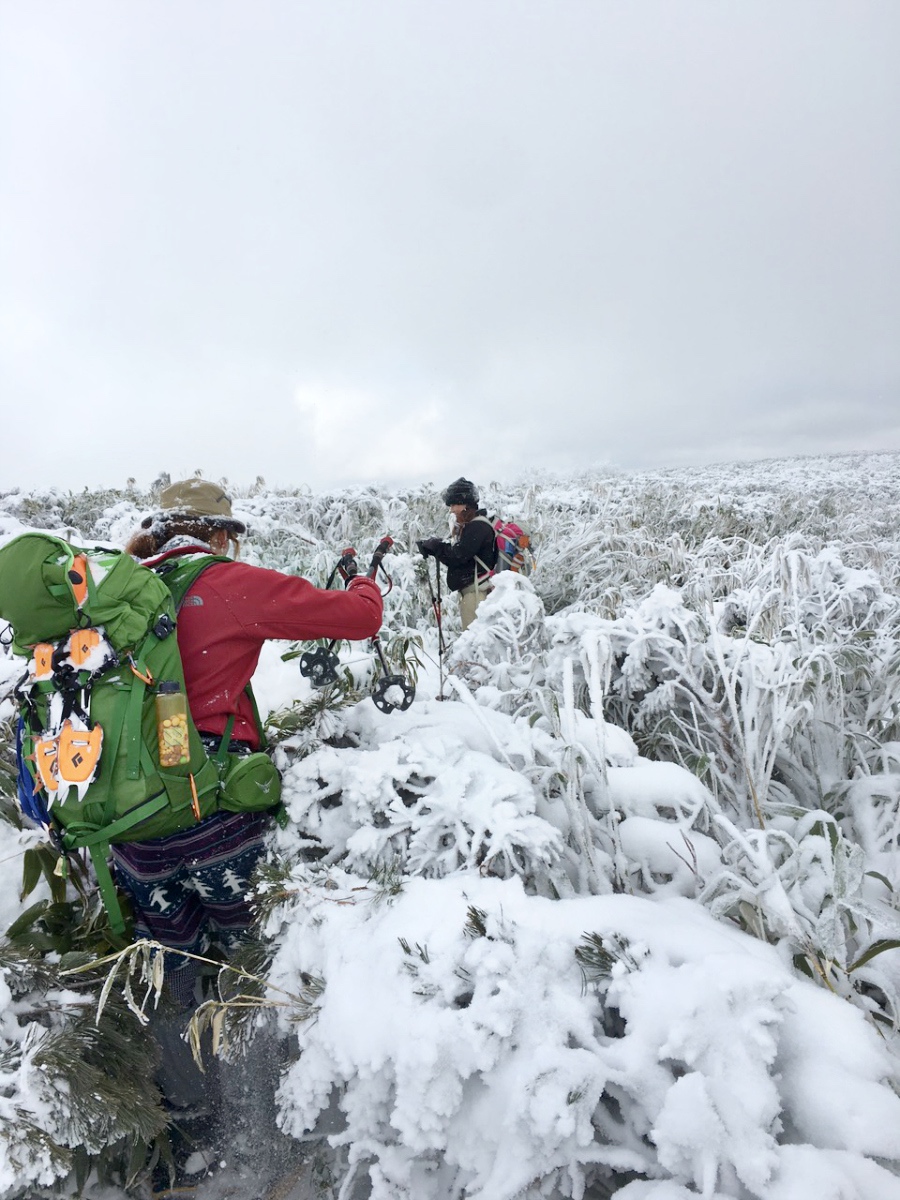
{"type": "Point", "coordinates": [140, 738]}
{"type": "Point", "coordinates": [193, 883]}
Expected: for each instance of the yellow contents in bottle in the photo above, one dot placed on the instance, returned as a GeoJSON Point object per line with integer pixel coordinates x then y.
{"type": "Point", "coordinates": [173, 741]}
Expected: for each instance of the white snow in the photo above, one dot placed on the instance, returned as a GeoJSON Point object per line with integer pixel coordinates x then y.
{"type": "Point", "coordinates": [533, 953]}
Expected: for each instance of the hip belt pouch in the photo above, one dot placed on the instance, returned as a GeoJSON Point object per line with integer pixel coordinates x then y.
{"type": "Point", "coordinates": [250, 783]}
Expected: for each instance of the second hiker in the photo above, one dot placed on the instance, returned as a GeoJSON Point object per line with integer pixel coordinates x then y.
{"type": "Point", "coordinates": [471, 553]}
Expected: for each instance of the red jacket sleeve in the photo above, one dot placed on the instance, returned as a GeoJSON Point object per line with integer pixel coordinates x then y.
{"type": "Point", "coordinates": [233, 608]}
{"type": "Point", "coordinates": [267, 604]}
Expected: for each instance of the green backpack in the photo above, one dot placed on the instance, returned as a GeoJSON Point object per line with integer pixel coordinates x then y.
{"type": "Point", "coordinates": [106, 758]}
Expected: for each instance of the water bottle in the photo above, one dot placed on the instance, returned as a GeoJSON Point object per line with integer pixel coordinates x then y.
{"type": "Point", "coordinates": [172, 724]}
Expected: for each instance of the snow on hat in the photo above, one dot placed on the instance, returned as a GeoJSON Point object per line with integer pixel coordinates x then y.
{"type": "Point", "coordinates": [196, 499]}
{"type": "Point", "coordinates": [460, 491]}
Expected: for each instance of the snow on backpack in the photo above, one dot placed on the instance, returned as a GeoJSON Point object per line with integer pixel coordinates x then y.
{"type": "Point", "coordinates": [105, 761]}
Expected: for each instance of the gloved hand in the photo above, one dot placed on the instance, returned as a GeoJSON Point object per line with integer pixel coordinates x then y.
{"type": "Point", "coordinates": [428, 546]}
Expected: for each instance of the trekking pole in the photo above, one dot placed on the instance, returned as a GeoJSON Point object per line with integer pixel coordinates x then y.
{"type": "Point", "coordinates": [438, 616]}
{"type": "Point", "coordinates": [320, 666]}
{"type": "Point", "coordinates": [377, 562]}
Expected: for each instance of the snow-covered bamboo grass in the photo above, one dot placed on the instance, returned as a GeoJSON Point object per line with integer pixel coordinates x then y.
{"type": "Point", "coordinates": [618, 915]}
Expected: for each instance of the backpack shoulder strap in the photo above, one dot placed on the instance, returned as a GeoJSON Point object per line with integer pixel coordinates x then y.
{"type": "Point", "coordinates": [488, 570]}
{"type": "Point", "coordinates": [181, 573]}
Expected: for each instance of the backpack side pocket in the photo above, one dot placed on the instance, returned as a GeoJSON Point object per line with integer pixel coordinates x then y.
{"type": "Point", "coordinates": [250, 783]}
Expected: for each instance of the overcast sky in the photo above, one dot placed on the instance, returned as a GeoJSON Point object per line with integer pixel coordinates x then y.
{"type": "Point", "coordinates": [330, 241]}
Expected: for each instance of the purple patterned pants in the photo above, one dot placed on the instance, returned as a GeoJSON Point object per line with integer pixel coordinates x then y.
{"type": "Point", "coordinates": [190, 889]}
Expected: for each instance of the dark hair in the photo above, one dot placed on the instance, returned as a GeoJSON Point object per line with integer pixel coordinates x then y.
{"type": "Point", "coordinates": [144, 543]}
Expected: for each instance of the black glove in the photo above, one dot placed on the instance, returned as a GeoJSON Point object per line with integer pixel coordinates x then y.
{"type": "Point", "coordinates": [428, 546]}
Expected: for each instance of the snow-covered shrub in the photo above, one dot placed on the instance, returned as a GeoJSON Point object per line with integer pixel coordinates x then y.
{"type": "Point", "coordinates": [74, 1090]}
{"type": "Point", "coordinates": [778, 725]}
{"type": "Point", "coordinates": [70, 1088]}
{"type": "Point", "coordinates": [519, 916]}
{"type": "Point", "coordinates": [483, 1042]}
{"type": "Point", "coordinates": [501, 654]}
{"type": "Point", "coordinates": [426, 792]}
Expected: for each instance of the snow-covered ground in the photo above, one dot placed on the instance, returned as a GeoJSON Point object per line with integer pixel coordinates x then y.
{"type": "Point", "coordinates": [610, 910]}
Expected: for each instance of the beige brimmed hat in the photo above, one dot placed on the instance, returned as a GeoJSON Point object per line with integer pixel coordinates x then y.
{"type": "Point", "coordinates": [195, 499]}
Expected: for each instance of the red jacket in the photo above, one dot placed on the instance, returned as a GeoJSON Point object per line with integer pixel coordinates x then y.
{"type": "Point", "coordinates": [232, 608]}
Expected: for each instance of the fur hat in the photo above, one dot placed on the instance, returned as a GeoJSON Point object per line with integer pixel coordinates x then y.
{"type": "Point", "coordinates": [195, 499]}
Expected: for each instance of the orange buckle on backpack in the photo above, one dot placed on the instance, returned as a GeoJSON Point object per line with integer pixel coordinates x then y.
{"type": "Point", "coordinates": [46, 754]}
{"type": "Point", "coordinates": [82, 644]}
{"type": "Point", "coordinates": [79, 754]}
{"type": "Point", "coordinates": [41, 665]}
{"type": "Point", "coordinates": [78, 578]}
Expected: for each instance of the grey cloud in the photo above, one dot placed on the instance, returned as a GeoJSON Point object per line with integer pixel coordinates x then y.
{"type": "Point", "coordinates": [649, 233]}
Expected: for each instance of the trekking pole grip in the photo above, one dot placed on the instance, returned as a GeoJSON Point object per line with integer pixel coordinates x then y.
{"type": "Point", "coordinates": [347, 564]}
{"type": "Point", "coordinates": [380, 551]}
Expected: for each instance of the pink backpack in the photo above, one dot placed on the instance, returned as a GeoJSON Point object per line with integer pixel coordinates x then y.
{"type": "Point", "coordinates": [513, 547]}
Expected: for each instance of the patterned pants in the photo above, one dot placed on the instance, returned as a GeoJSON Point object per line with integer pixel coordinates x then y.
{"type": "Point", "coordinates": [190, 889]}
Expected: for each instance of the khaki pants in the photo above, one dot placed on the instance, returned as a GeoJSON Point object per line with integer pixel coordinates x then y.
{"type": "Point", "coordinates": [469, 599]}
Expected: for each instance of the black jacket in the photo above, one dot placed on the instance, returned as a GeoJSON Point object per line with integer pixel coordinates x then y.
{"type": "Point", "coordinates": [476, 541]}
